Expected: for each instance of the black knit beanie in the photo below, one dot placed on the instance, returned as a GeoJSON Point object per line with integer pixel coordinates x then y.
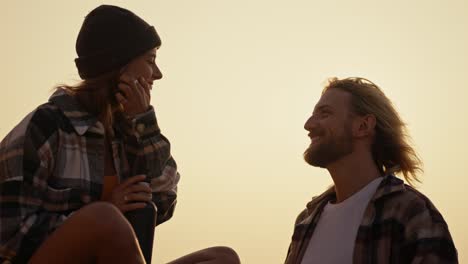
{"type": "Point", "coordinates": [111, 37]}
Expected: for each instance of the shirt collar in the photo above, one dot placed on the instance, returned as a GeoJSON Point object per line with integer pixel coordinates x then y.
{"type": "Point", "coordinates": [81, 120]}
{"type": "Point", "coordinates": [389, 184]}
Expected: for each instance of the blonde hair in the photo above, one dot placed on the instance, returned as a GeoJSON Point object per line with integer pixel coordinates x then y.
{"type": "Point", "coordinates": [391, 149]}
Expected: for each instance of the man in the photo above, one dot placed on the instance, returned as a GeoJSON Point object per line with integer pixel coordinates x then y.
{"type": "Point", "coordinates": [369, 215]}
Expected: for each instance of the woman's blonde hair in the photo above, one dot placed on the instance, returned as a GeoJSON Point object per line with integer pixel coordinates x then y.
{"type": "Point", "coordinates": [391, 149]}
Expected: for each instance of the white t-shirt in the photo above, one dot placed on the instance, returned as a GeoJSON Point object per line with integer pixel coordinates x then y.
{"type": "Point", "coordinates": [335, 234]}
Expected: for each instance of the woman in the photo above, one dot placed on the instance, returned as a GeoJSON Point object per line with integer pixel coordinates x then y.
{"type": "Point", "coordinates": [73, 166]}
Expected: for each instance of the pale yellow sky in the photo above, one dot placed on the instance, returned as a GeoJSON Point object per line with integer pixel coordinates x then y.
{"type": "Point", "coordinates": [241, 78]}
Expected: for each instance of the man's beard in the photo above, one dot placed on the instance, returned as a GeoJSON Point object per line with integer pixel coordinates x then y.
{"type": "Point", "coordinates": [329, 150]}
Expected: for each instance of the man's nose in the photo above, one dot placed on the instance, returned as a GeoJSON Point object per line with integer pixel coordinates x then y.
{"type": "Point", "coordinates": [310, 124]}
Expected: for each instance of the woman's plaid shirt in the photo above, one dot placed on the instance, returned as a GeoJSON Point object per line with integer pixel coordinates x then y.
{"type": "Point", "coordinates": [52, 163]}
{"type": "Point", "coordinates": [400, 225]}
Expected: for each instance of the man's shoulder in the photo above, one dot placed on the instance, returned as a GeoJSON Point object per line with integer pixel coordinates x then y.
{"type": "Point", "coordinates": [409, 203]}
{"type": "Point", "coordinates": [415, 214]}
{"type": "Point", "coordinates": [423, 226]}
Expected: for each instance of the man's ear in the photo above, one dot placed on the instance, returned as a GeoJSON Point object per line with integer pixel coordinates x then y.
{"type": "Point", "coordinates": [365, 125]}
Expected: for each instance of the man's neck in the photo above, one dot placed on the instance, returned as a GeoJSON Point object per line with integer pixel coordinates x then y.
{"type": "Point", "coordinates": [351, 173]}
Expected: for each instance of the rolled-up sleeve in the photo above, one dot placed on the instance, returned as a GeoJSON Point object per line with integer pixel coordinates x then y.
{"type": "Point", "coordinates": [149, 152]}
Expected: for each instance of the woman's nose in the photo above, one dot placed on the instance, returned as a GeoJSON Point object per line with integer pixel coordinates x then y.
{"type": "Point", "coordinates": [157, 74]}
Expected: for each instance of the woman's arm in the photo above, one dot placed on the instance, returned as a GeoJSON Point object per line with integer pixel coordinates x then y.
{"type": "Point", "coordinates": [148, 152]}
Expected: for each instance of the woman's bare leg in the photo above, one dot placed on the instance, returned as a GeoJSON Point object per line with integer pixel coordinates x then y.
{"type": "Point", "coordinates": [213, 255]}
{"type": "Point", "coordinates": [97, 233]}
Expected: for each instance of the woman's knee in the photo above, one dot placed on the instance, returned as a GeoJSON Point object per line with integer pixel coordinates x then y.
{"type": "Point", "coordinates": [225, 254]}
{"type": "Point", "coordinates": [105, 220]}
{"type": "Point", "coordinates": [85, 234]}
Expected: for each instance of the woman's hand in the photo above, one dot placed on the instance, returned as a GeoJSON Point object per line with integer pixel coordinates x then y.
{"type": "Point", "coordinates": [131, 194]}
{"type": "Point", "coordinates": [134, 95]}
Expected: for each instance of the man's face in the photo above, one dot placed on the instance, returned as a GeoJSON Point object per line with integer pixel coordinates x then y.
{"type": "Point", "coordinates": [330, 129]}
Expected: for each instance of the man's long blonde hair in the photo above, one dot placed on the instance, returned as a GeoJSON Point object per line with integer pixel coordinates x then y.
{"type": "Point", "coordinates": [391, 149]}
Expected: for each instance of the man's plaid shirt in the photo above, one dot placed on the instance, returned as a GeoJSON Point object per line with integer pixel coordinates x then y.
{"type": "Point", "coordinates": [400, 225]}
{"type": "Point", "coordinates": [52, 163]}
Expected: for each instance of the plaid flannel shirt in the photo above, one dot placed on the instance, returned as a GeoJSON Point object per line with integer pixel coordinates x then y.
{"type": "Point", "coordinates": [400, 225]}
{"type": "Point", "coordinates": [52, 164]}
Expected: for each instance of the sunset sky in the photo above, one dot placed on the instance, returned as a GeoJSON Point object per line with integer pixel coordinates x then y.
{"type": "Point", "coordinates": [241, 78]}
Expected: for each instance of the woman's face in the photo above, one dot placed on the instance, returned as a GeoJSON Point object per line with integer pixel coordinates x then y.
{"type": "Point", "coordinates": [144, 66]}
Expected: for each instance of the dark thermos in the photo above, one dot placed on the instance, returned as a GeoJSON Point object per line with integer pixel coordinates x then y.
{"type": "Point", "coordinates": [143, 222]}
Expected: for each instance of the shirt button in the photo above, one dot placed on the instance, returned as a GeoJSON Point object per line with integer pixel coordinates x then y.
{"type": "Point", "coordinates": [141, 128]}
